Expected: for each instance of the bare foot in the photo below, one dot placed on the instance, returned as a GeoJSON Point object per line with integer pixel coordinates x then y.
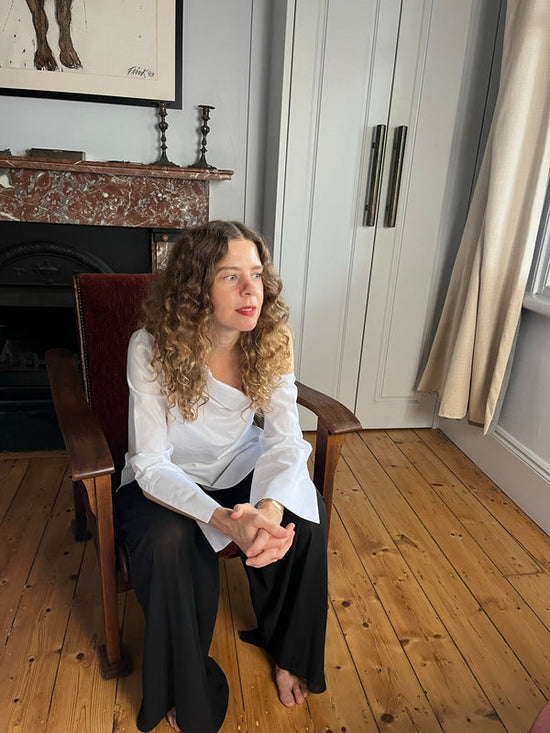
{"type": "Point", "coordinates": [292, 690]}
{"type": "Point", "coordinates": [171, 718]}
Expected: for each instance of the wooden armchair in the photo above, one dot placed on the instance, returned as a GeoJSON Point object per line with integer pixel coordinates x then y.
{"type": "Point", "coordinates": [92, 411]}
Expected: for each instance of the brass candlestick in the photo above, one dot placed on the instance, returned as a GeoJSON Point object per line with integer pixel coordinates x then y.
{"type": "Point", "coordinates": [205, 116]}
{"type": "Point", "coordinates": [163, 126]}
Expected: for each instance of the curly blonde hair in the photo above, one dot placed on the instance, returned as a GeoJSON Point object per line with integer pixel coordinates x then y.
{"type": "Point", "coordinates": [178, 314]}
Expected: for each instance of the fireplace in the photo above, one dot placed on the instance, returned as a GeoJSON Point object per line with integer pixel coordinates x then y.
{"type": "Point", "coordinates": [58, 218]}
{"type": "Point", "coordinates": [37, 262]}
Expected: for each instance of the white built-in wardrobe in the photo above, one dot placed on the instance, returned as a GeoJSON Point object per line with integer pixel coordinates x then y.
{"type": "Point", "coordinates": [379, 114]}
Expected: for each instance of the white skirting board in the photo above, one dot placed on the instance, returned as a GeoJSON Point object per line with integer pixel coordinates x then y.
{"type": "Point", "coordinates": [522, 475]}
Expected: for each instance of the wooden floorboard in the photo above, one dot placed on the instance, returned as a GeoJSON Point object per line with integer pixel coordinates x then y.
{"type": "Point", "coordinates": [439, 606]}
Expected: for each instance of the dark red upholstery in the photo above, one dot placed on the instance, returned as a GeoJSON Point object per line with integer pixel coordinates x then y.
{"type": "Point", "coordinates": [108, 312]}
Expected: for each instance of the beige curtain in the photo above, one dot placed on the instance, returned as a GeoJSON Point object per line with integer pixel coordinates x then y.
{"type": "Point", "coordinates": [468, 360]}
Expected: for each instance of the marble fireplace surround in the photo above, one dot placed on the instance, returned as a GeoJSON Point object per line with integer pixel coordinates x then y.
{"type": "Point", "coordinates": [104, 193]}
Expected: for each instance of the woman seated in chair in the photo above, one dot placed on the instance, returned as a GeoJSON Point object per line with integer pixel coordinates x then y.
{"type": "Point", "coordinates": [215, 350]}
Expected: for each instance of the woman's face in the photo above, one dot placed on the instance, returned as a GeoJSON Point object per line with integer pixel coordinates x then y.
{"type": "Point", "coordinates": [237, 292]}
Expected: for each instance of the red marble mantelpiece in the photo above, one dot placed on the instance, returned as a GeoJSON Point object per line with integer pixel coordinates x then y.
{"type": "Point", "coordinates": [104, 193]}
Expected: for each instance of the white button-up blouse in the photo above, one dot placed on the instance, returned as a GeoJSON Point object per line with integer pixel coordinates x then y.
{"type": "Point", "coordinates": [172, 459]}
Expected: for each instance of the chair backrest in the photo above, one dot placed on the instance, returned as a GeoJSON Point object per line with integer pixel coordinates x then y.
{"type": "Point", "coordinates": [108, 311]}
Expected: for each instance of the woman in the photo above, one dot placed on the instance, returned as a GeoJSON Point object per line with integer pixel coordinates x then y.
{"type": "Point", "coordinates": [214, 351]}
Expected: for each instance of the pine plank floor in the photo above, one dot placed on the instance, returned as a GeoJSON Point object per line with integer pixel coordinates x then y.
{"type": "Point", "coordinates": [439, 609]}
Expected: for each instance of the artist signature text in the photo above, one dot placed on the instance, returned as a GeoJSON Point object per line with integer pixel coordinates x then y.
{"type": "Point", "coordinates": [140, 71]}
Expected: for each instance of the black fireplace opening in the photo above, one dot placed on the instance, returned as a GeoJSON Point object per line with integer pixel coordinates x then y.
{"type": "Point", "coordinates": [37, 263]}
{"type": "Point", "coordinates": [27, 417]}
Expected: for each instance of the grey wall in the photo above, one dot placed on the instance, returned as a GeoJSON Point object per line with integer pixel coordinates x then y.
{"type": "Point", "coordinates": [225, 64]}
{"type": "Point", "coordinates": [526, 410]}
{"type": "Point", "coordinates": [517, 455]}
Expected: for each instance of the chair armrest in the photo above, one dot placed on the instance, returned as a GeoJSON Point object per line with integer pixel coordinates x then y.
{"type": "Point", "coordinates": [334, 421]}
{"type": "Point", "coordinates": [88, 452]}
{"type": "Point", "coordinates": [335, 417]}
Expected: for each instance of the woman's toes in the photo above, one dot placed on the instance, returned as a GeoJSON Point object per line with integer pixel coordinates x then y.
{"type": "Point", "coordinates": [292, 690]}
{"type": "Point", "coordinates": [171, 718]}
{"type": "Point", "coordinates": [300, 692]}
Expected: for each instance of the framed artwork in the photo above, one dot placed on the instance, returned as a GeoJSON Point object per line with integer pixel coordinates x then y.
{"type": "Point", "coordinates": [93, 50]}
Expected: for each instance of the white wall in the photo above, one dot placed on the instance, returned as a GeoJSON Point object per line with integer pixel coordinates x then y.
{"type": "Point", "coordinates": [225, 64]}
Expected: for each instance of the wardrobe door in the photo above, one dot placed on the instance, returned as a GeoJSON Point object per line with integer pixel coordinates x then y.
{"type": "Point", "coordinates": [425, 137]}
{"type": "Point", "coordinates": [343, 56]}
{"type": "Point", "coordinates": [385, 104]}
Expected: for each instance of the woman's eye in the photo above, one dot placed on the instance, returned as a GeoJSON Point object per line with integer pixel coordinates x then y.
{"type": "Point", "coordinates": [258, 275]}
{"type": "Point", "coordinates": [231, 277]}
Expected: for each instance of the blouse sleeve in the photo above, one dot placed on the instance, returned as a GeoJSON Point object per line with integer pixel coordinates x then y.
{"type": "Point", "coordinates": [150, 451]}
{"type": "Point", "coordinates": [281, 472]}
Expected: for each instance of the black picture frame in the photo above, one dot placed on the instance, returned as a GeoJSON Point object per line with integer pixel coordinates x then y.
{"type": "Point", "coordinates": [92, 88]}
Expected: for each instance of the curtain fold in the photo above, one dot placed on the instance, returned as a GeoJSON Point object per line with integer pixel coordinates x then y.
{"type": "Point", "coordinates": [468, 361]}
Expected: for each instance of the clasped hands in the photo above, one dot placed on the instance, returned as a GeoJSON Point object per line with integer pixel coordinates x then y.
{"type": "Point", "coordinates": [256, 531]}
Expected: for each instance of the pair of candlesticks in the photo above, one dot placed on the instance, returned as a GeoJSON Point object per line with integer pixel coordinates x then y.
{"type": "Point", "coordinates": [163, 126]}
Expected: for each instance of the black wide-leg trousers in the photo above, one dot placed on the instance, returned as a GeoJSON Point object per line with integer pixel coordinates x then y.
{"type": "Point", "coordinates": [175, 575]}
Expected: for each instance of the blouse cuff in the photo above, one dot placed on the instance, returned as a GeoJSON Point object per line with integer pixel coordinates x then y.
{"type": "Point", "coordinates": [217, 539]}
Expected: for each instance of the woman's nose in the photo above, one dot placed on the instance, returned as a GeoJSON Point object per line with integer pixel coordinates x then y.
{"type": "Point", "coordinates": [250, 285]}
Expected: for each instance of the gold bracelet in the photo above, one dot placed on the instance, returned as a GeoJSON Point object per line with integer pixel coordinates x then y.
{"type": "Point", "coordinates": [276, 503]}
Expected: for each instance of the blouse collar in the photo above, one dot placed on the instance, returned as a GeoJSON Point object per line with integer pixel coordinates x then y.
{"type": "Point", "coordinates": [225, 394]}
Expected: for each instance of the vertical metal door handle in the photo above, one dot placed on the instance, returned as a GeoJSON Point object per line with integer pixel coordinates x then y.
{"type": "Point", "coordinates": [398, 153]}
{"type": "Point", "coordinates": [377, 156]}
